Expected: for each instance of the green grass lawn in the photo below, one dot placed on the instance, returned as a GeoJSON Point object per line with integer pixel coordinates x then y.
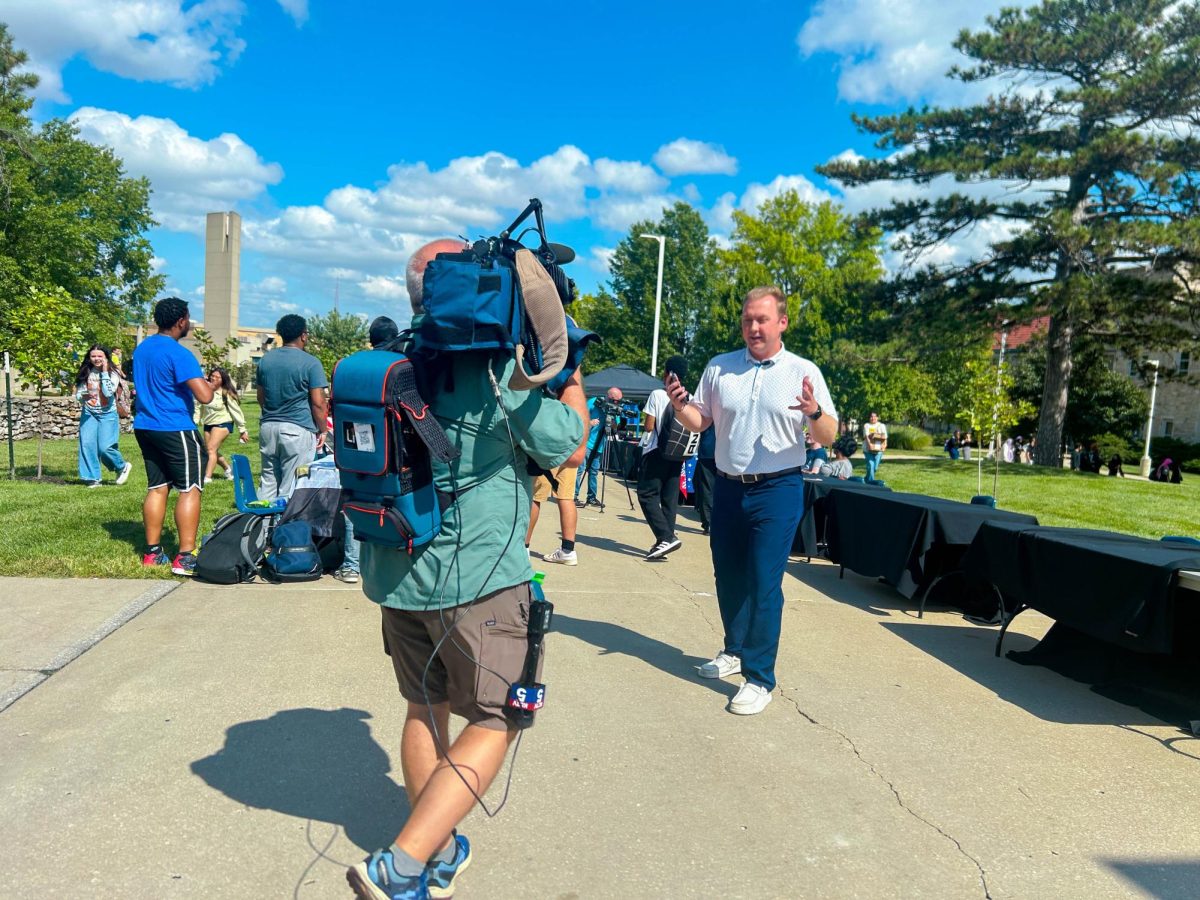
{"type": "Point", "coordinates": [58, 528]}
{"type": "Point", "coordinates": [1057, 496]}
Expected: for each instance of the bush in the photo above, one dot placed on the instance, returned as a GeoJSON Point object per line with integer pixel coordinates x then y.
{"type": "Point", "coordinates": [1109, 444]}
{"type": "Point", "coordinates": [1192, 465]}
{"type": "Point", "coordinates": [1178, 450]}
{"type": "Point", "coordinates": [907, 437]}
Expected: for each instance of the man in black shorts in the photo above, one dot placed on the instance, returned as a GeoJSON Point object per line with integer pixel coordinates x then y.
{"type": "Point", "coordinates": [167, 378]}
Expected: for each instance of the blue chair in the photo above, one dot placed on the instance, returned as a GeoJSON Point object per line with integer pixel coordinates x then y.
{"type": "Point", "coordinates": [244, 492]}
{"type": "Point", "coordinates": [1181, 539]}
{"type": "Point", "coordinates": [857, 479]}
{"type": "Point", "coordinates": [984, 500]}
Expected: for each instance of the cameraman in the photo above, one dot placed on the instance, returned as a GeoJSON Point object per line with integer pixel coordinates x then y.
{"type": "Point", "coordinates": [456, 611]}
{"type": "Point", "coordinates": [599, 409]}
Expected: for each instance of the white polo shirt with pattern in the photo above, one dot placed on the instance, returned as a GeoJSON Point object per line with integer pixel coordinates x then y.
{"type": "Point", "coordinates": [748, 402]}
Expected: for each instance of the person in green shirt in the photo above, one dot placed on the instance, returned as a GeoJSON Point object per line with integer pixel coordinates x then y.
{"type": "Point", "coordinates": [456, 611]}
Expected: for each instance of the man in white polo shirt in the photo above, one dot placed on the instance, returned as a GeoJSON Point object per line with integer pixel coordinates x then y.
{"type": "Point", "coordinates": [758, 400]}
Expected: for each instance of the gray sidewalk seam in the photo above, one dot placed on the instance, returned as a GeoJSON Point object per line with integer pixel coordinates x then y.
{"type": "Point", "coordinates": [126, 614]}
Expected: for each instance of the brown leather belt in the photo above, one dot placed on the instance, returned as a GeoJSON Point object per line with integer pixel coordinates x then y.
{"type": "Point", "coordinates": [765, 476]}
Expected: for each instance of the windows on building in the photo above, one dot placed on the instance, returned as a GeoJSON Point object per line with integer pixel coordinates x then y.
{"type": "Point", "coordinates": [1185, 362]}
{"type": "Point", "coordinates": [1168, 427]}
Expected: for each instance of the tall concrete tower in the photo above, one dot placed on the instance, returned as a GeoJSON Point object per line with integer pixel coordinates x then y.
{"type": "Point", "coordinates": [222, 273]}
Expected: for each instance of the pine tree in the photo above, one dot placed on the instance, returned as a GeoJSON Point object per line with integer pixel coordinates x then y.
{"type": "Point", "coordinates": [1084, 168]}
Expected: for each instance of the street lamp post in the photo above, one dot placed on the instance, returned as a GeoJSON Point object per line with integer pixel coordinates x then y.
{"type": "Point", "coordinates": [1144, 468]}
{"type": "Point", "coordinates": [662, 246]}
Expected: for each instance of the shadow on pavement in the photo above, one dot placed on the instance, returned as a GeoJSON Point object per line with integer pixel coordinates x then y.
{"type": "Point", "coordinates": [312, 764]}
{"type": "Point", "coordinates": [1038, 690]}
{"type": "Point", "coordinates": [609, 545]}
{"type": "Point", "coordinates": [612, 638]}
{"type": "Point", "coordinates": [1166, 878]}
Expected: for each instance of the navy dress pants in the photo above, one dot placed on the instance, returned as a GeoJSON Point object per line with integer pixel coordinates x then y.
{"type": "Point", "coordinates": [752, 530]}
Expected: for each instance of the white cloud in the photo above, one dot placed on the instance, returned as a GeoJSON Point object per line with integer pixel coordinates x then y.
{"type": "Point", "coordinates": [617, 213]}
{"type": "Point", "coordinates": [272, 284]}
{"type": "Point", "coordinates": [600, 259]}
{"type": "Point", "coordinates": [146, 40]}
{"type": "Point", "coordinates": [383, 287]}
{"type": "Point", "coordinates": [297, 9]}
{"type": "Point", "coordinates": [687, 157]}
{"type": "Point", "coordinates": [894, 50]}
{"type": "Point", "coordinates": [633, 177]}
{"type": "Point", "coordinates": [157, 263]}
{"type": "Point", "coordinates": [190, 176]}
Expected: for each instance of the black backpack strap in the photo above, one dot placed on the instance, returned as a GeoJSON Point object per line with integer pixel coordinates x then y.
{"type": "Point", "coordinates": [405, 396]}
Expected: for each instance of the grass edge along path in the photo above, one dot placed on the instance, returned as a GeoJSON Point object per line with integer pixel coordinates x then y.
{"type": "Point", "coordinates": [60, 529]}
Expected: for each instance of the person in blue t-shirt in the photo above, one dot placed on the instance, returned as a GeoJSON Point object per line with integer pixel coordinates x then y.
{"type": "Point", "coordinates": [597, 437]}
{"type": "Point", "coordinates": [168, 379]}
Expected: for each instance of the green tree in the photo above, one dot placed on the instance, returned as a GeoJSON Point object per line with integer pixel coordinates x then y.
{"type": "Point", "coordinates": [15, 102]}
{"type": "Point", "coordinates": [624, 313]}
{"type": "Point", "coordinates": [335, 335]}
{"type": "Point", "coordinates": [43, 336]}
{"type": "Point", "coordinates": [882, 378]}
{"type": "Point", "coordinates": [75, 221]}
{"type": "Point", "coordinates": [1100, 400]}
{"type": "Point", "coordinates": [825, 264]}
{"type": "Point", "coordinates": [1097, 118]}
{"type": "Point", "coordinates": [213, 354]}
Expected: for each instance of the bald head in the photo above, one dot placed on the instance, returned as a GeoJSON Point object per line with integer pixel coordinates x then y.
{"type": "Point", "coordinates": [614, 394]}
{"type": "Point", "coordinates": [414, 275]}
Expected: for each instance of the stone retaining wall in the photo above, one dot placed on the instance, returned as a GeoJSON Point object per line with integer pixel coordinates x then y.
{"type": "Point", "coordinates": [61, 418]}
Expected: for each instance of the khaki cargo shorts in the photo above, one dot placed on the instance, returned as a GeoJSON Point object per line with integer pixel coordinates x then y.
{"type": "Point", "coordinates": [474, 666]}
{"type": "Point", "coordinates": [543, 489]}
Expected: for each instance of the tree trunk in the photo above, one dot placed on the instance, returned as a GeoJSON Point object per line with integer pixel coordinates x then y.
{"type": "Point", "coordinates": [1053, 413]}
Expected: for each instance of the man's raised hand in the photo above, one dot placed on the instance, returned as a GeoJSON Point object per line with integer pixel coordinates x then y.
{"type": "Point", "coordinates": [807, 400]}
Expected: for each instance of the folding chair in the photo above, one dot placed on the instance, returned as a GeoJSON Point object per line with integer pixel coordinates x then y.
{"type": "Point", "coordinates": [244, 493]}
{"type": "Point", "coordinates": [984, 500]}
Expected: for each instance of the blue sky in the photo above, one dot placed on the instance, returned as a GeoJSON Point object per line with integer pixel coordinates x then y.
{"type": "Point", "coordinates": [348, 132]}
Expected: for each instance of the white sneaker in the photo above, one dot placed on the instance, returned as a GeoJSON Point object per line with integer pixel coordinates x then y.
{"type": "Point", "coordinates": [662, 548]}
{"type": "Point", "coordinates": [750, 700]}
{"type": "Point", "coordinates": [124, 476]}
{"type": "Point", "coordinates": [229, 474]}
{"type": "Point", "coordinates": [722, 666]}
{"type": "Point", "coordinates": [566, 557]}
{"type": "Point", "coordinates": [208, 481]}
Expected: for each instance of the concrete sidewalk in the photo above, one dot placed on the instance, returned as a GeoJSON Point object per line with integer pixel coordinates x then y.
{"type": "Point", "coordinates": [243, 742]}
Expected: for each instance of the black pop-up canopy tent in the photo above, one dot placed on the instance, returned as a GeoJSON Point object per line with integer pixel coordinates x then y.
{"type": "Point", "coordinates": [634, 383]}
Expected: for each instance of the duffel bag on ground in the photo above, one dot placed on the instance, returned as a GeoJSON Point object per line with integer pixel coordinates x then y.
{"type": "Point", "coordinates": [233, 551]}
{"type": "Point", "coordinates": [293, 555]}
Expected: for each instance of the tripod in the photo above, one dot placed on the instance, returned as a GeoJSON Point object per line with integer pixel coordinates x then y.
{"type": "Point", "coordinates": [610, 435]}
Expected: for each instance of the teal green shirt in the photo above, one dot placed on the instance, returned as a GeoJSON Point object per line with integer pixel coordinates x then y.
{"type": "Point", "coordinates": [481, 547]}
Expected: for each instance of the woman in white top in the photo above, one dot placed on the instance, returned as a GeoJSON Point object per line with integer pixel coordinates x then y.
{"type": "Point", "coordinates": [219, 417]}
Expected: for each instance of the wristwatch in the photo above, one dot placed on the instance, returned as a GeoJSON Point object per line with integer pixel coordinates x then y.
{"type": "Point", "coordinates": [812, 417]}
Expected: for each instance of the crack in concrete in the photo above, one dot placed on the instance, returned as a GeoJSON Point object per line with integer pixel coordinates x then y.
{"type": "Point", "coordinates": [691, 595]}
{"type": "Point", "coordinates": [891, 787]}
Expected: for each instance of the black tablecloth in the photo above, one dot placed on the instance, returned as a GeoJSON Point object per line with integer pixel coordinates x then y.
{"type": "Point", "coordinates": [907, 539]}
{"type": "Point", "coordinates": [1114, 587]}
{"type": "Point", "coordinates": [812, 526]}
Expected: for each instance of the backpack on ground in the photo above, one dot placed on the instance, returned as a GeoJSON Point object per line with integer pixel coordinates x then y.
{"type": "Point", "coordinates": [293, 555]}
{"type": "Point", "coordinates": [385, 439]}
{"type": "Point", "coordinates": [233, 551]}
{"type": "Point", "coordinates": [675, 442]}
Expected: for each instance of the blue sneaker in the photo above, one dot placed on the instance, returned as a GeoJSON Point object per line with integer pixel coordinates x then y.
{"type": "Point", "coordinates": [441, 874]}
{"type": "Point", "coordinates": [375, 879]}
